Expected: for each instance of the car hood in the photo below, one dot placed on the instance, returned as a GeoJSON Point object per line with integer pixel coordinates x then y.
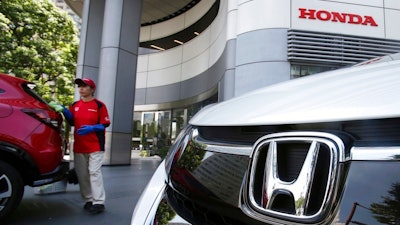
{"type": "Point", "coordinates": [353, 93]}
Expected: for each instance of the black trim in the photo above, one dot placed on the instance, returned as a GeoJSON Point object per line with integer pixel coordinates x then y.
{"type": "Point", "coordinates": [58, 174]}
{"type": "Point", "coordinates": [381, 132]}
{"type": "Point", "coordinates": [24, 161]}
{"type": "Point", "coordinates": [188, 6]}
{"type": "Point", "coordinates": [188, 33]}
{"type": "Point", "coordinates": [27, 167]}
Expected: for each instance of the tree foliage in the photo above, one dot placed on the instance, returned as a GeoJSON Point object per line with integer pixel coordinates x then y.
{"type": "Point", "coordinates": [388, 212]}
{"type": "Point", "coordinates": [165, 213]}
{"type": "Point", "coordinates": [39, 42]}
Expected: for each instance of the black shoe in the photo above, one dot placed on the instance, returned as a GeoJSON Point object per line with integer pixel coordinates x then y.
{"type": "Point", "coordinates": [96, 208]}
{"type": "Point", "coordinates": [87, 205]}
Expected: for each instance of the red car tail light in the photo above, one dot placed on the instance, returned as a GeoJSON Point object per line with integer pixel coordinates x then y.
{"type": "Point", "coordinates": [46, 117]}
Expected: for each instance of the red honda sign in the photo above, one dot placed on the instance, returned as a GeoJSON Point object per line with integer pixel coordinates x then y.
{"type": "Point", "coordinates": [325, 15]}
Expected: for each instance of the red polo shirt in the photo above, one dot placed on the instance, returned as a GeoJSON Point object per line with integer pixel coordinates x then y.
{"type": "Point", "coordinates": [89, 113]}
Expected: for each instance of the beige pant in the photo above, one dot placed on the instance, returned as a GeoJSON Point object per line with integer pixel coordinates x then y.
{"type": "Point", "coordinates": [88, 171]}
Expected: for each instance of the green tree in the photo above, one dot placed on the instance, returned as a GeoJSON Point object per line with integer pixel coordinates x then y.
{"type": "Point", "coordinates": [39, 42]}
{"type": "Point", "coordinates": [192, 156]}
{"type": "Point", "coordinates": [388, 212]}
{"type": "Point", "coordinates": [165, 213]}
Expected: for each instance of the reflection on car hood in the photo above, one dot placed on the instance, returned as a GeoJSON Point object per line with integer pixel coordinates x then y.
{"type": "Point", "coordinates": [360, 92]}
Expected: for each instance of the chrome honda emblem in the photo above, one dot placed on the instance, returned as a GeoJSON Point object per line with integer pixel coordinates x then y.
{"type": "Point", "coordinates": [293, 176]}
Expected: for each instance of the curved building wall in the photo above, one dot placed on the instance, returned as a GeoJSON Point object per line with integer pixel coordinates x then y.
{"type": "Point", "coordinates": [235, 54]}
{"type": "Point", "coordinates": [246, 47]}
{"type": "Point", "coordinates": [185, 74]}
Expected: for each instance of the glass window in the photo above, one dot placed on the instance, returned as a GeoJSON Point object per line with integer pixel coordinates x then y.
{"type": "Point", "coordinates": [137, 127]}
{"type": "Point", "coordinates": [155, 131]}
{"type": "Point", "coordinates": [148, 130]}
{"type": "Point", "coordinates": [297, 71]}
{"type": "Point", "coordinates": [178, 121]}
{"type": "Point", "coordinates": [162, 137]}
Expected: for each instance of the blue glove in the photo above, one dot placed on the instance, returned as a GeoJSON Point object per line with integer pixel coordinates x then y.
{"type": "Point", "coordinates": [85, 129]}
{"type": "Point", "coordinates": [68, 116]}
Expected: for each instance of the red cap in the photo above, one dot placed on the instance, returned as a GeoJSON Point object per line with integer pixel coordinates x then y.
{"type": "Point", "coordinates": [85, 81]}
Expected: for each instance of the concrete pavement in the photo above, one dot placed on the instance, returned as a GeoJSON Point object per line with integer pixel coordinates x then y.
{"type": "Point", "coordinates": [123, 185]}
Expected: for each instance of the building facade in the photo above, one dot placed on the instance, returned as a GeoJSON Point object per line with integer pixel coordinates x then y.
{"type": "Point", "coordinates": [162, 73]}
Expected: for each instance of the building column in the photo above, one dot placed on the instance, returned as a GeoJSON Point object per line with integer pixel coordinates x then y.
{"type": "Point", "coordinates": [108, 54]}
{"type": "Point", "coordinates": [117, 75]}
{"type": "Point", "coordinates": [90, 40]}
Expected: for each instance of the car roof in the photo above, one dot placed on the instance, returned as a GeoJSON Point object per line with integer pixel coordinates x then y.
{"type": "Point", "coordinates": [10, 77]}
{"type": "Point", "coordinates": [13, 87]}
{"type": "Point", "coordinates": [364, 91]}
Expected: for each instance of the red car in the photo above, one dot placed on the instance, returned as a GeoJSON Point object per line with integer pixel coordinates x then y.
{"type": "Point", "coordinates": [31, 143]}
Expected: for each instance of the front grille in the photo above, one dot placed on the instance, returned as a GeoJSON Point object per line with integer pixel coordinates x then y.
{"type": "Point", "coordinates": [198, 214]}
{"type": "Point", "coordinates": [363, 132]}
{"type": "Point", "coordinates": [330, 142]}
{"type": "Point", "coordinates": [290, 160]}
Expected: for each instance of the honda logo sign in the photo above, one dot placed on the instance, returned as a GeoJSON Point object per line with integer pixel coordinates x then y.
{"type": "Point", "coordinates": [293, 176]}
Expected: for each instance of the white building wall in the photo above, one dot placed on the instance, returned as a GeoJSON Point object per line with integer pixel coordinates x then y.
{"type": "Point", "coordinates": [258, 29]}
{"type": "Point", "coordinates": [392, 16]}
{"type": "Point", "coordinates": [261, 14]}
